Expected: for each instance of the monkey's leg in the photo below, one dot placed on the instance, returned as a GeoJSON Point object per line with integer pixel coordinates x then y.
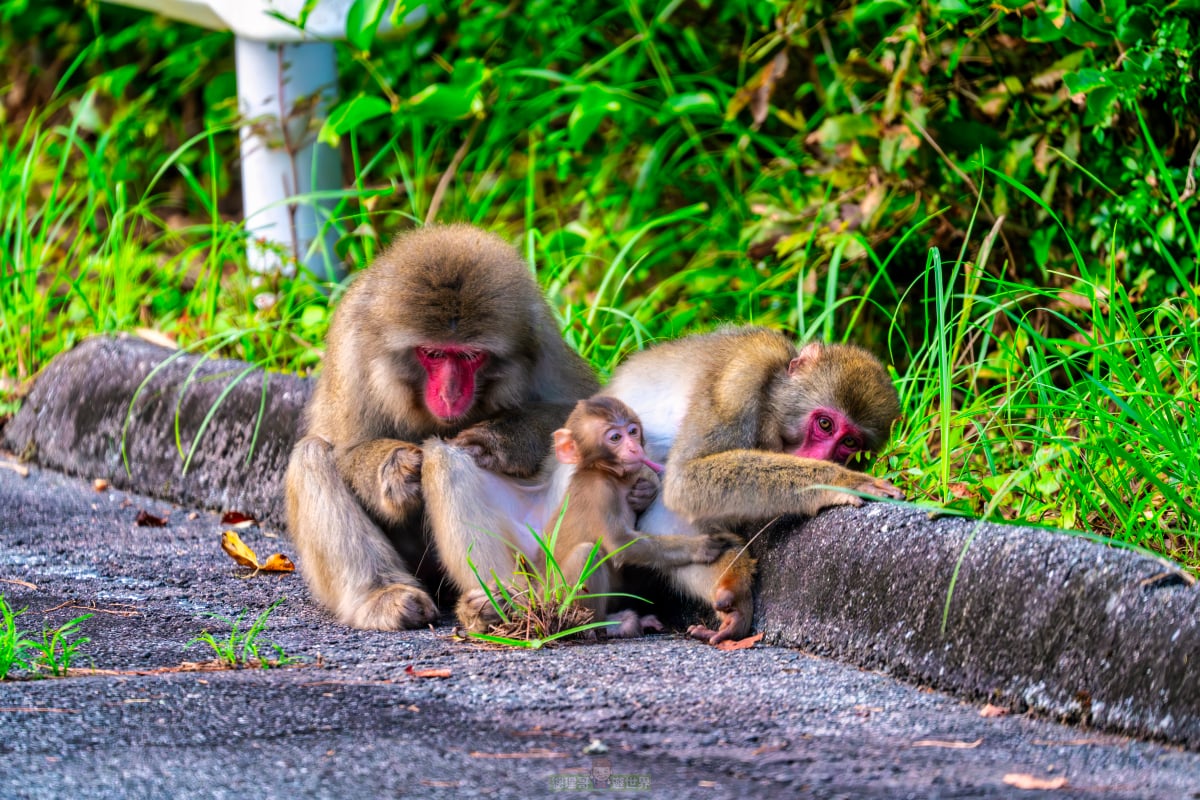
{"type": "Point", "coordinates": [473, 517]}
{"type": "Point", "coordinates": [728, 584]}
{"type": "Point", "coordinates": [515, 443]}
{"type": "Point", "coordinates": [348, 562]}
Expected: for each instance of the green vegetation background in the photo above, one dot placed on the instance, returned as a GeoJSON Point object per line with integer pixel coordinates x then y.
{"type": "Point", "coordinates": [997, 198]}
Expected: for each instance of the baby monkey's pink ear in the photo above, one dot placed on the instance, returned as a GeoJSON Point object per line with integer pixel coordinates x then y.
{"type": "Point", "coordinates": [809, 355]}
{"type": "Point", "coordinates": [565, 449]}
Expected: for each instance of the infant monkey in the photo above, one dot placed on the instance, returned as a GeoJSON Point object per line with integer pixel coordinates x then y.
{"type": "Point", "coordinates": [603, 440]}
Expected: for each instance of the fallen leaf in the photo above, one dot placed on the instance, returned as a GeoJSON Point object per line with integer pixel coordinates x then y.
{"type": "Point", "coordinates": [240, 552]}
{"type": "Point", "coordinates": [156, 337]}
{"type": "Point", "coordinates": [20, 469]}
{"type": "Point", "coordinates": [237, 519]}
{"type": "Point", "coordinates": [740, 644]}
{"type": "Point", "coordinates": [19, 582]}
{"type": "Point", "coordinates": [426, 673]}
{"type": "Point", "coordinates": [148, 520]}
{"type": "Point", "coordinates": [948, 745]}
{"type": "Point", "coordinates": [100, 485]}
{"type": "Point", "coordinates": [1022, 780]}
{"type": "Point", "coordinates": [535, 753]}
{"type": "Point", "coordinates": [993, 711]}
{"type": "Point", "coordinates": [278, 562]}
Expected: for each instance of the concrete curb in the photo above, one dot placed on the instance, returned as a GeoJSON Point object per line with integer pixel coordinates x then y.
{"type": "Point", "coordinates": [1038, 619]}
{"type": "Point", "coordinates": [106, 393]}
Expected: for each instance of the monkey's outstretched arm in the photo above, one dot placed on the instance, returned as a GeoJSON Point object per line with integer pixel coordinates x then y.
{"type": "Point", "coordinates": [753, 484]}
{"type": "Point", "coordinates": [671, 550]}
{"type": "Point", "coordinates": [516, 442]}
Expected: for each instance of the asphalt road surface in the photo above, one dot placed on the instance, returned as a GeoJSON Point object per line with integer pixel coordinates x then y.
{"type": "Point", "coordinates": [419, 714]}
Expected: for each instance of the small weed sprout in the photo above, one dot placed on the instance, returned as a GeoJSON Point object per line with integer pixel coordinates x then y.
{"type": "Point", "coordinates": [53, 654]}
{"type": "Point", "coordinates": [14, 644]}
{"type": "Point", "coordinates": [58, 646]}
{"type": "Point", "coordinates": [243, 648]}
{"type": "Point", "coordinates": [539, 606]}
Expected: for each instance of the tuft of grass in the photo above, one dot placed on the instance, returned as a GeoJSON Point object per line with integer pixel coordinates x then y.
{"type": "Point", "coordinates": [540, 606]}
{"type": "Point", "coordinates": [52, 655]}
{"type": "Point", "coordinates": [244, 647]}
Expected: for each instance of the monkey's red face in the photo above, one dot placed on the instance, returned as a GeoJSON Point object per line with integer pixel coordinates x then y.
{"type": "Point", "coordinates": [450, 378]}
{"type": "Point", "coordinates": [829, 435]}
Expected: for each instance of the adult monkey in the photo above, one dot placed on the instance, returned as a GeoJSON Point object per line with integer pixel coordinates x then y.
{"type": "Point", "coordinates": [447, 334]}
{"type": "Point", "coordinates": [749, 426]}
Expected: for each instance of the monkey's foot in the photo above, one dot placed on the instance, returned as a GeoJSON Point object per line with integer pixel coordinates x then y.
{"type": "Point", "coordinates": [631, 625]}
{"type": "Point", "coordinates": [734, 625]}
{"type": "Point", "coordinates": [394, 608]}
{"type": "Point", "coordinates": [475, 612]}
{"type": "Point", "coordinates": [400, 480]}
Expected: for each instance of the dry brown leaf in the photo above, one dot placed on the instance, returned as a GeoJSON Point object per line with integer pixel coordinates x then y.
{"type": "Point", "coordinates": [948, 745]}
{"type": "Point", "coordinates": [993, 711]}
{"type": "Point", "coordinates": [278, 562]}
{"type": "Point", "coordinates": [1023, 780]}
{"type": "Point", "coordinates": [426, 673]}
{"type": "Point", "coordinates": [539, 752]}
{"type": "Point", "coordinates": [240, 552]}
{"type": "Point", "coordinates": [156, 337]}
{"type": "Point", "coordinates": [19, 582]}
{"type": "Point", "coordinates": [740, 644]}
{"type": "Point", "coordinates": [237, 519]}
{"type": "Point", "coordinates": [20, 469]}
{"type": "Point", "coordinates": [147, 520]}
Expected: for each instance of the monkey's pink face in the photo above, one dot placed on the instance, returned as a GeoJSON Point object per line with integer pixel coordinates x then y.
{"type": "Point", "coordinates": [450, 378]}
{"type": "Point", "coordinates": [829, 435]}
{"type": "Point", "coordinates": [625, 443]}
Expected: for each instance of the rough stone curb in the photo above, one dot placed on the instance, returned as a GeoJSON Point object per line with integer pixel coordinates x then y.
{"type": "Point", "coordinates": [1037, 619]}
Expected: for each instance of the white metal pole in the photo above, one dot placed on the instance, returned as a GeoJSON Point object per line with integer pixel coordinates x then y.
{"type": "Point", "coordinates": [284, 91]}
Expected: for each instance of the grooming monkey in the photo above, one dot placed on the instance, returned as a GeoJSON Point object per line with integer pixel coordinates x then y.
{"type": "Point", "coordinates": [445, 335]}
{"type": "Point", "coordinates": [749, 426]}
{"type": "Point", "coordinates": [603, 440]}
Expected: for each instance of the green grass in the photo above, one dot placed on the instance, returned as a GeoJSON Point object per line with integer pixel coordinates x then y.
{"type": "Point", "coordinates": [540, 606]}
{"type": "Point", "coordinates": [242, 646]}
{"type": "Point", "coordinates": [24, 656]}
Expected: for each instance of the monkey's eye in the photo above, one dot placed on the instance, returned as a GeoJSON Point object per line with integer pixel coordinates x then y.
{"type": "Point", "coordinates": [825, 423]}
{"type": "Point", "coordinates": [614, 437]}
{"type": "Point", "coordinates": [633, 430]}
{"type": "Point", "coordinates": [433, 355]}
{"type": "Point", "coordinates": [851, 443]}
{"type": "Point", "coordinates": [469, 355]}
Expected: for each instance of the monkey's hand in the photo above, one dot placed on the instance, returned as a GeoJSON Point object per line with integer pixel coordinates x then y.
{"type": "Point", "coordinates": [878, 487]}
{"type": "Point", "coordinates": [400, 480]}
{"type": "Point", "coordinates": [711, 546]}
{"type": "Point", "coordinates": [642, 494]}
{"type": "Point", "coordinates": [494, 452]}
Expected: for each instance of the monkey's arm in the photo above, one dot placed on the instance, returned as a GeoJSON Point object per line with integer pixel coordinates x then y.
{"type": "Point", "coordinates": [753, 484]}
{"type": "Point", "coordinates": [516, 442]}
{"type": "Point", "coordinates": [385, 474]}
{"type": "Point", "coordinates": [670, 550]}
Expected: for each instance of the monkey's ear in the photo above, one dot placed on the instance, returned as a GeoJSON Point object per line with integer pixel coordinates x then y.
{"type": "Point", "coordinates": [809, 354]}
{"type": "Point", "coordinates": [565, 449]}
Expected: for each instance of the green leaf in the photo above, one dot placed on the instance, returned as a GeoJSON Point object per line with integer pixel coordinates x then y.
{"type": "Point", "coordinates": [362, 21]}
{"type": "Point", "coordinates": [453, 100]}
{"type": "Point", "coordinates": [595, 105]}
{"type": "Point", "coordinates": [692, 103]}
{"type": "Point", "coordinates": [349, 115]}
